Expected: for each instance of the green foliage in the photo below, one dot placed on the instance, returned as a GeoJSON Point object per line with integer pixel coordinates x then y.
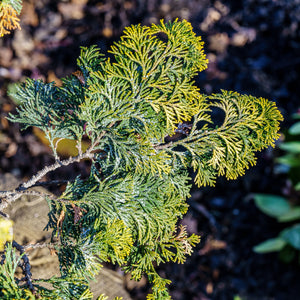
{"type": "Point", "coordinates": [273, 206]}
{"type": "Point", "coordinates": [280, 207]}
{"type": "Point", "coordinates": [9, 288]}
{"type": "Point", "coordinates": [12, 288]}
{"type": "Point", "coordinates": [270, 245]}
{"type": "Point", "coordinates": [147, 124]}
{"type": "Point", "coordinates": [291, 146]}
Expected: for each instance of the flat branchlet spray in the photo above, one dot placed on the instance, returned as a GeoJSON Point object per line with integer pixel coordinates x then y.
{"type": "Point", "coordinates": [147, 124]}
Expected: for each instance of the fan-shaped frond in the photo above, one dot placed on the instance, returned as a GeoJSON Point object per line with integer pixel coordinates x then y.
{"type": "Point", "coordinates": [250, 124]}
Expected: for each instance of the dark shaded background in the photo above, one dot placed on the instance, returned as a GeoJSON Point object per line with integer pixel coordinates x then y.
{"type": "Point", "coordinates": [253, 47]}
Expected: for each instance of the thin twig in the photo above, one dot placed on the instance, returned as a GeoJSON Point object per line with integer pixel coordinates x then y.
{"type": "Point", "coordinates": [52, 182]}
{"type": "Point", "coordinates": [60, 163]}
{"type": "Point", "coordinates": [24, 192]}
{"type": "Point", "coordinates": [38, 245]}
{"type": "Point", "coordinates": [10, 196]}
{"type": "Point", "coordinates": [53, 167]}
{"type": "Point", "coordinates": [164, 146]}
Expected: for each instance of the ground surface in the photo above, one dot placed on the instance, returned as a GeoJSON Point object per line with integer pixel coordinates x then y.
{"type": "Point", "coordinates": [253, 47]}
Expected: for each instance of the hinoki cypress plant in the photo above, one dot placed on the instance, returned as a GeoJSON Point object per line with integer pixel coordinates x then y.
{"type": "Point", "coordinates": [147, 125]}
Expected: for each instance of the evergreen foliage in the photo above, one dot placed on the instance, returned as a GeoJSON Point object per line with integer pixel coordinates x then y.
{"type": "Point", "coordinates": [9, 11]}
{"type": "Point", "coordinates": [147, 124]}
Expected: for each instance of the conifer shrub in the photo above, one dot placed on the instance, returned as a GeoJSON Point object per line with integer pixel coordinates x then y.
{"type": "Point", "coordinates": [147, 125]}
{"type": "Point", "coordinates": [9, 11]}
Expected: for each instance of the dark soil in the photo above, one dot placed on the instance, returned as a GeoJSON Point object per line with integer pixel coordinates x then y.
{"type": "Point", "coordinates": [253, 47]}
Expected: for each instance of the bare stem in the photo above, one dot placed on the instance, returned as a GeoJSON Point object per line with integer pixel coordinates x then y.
{"type": "Point", "coordinates": [38, 245]}
{"type": "Point", "coordinates": [52, 182]}
{"type": "Point", "coordinates": [164, 146]}
{"type": "Point", "coordinates": [53, 167]}
{"type": "Point", "coordinates": [23, 192]}
{"type": "Point", "coordinates": [60, 163]}
{"type": "Point", "coordinates": [10, 196]}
